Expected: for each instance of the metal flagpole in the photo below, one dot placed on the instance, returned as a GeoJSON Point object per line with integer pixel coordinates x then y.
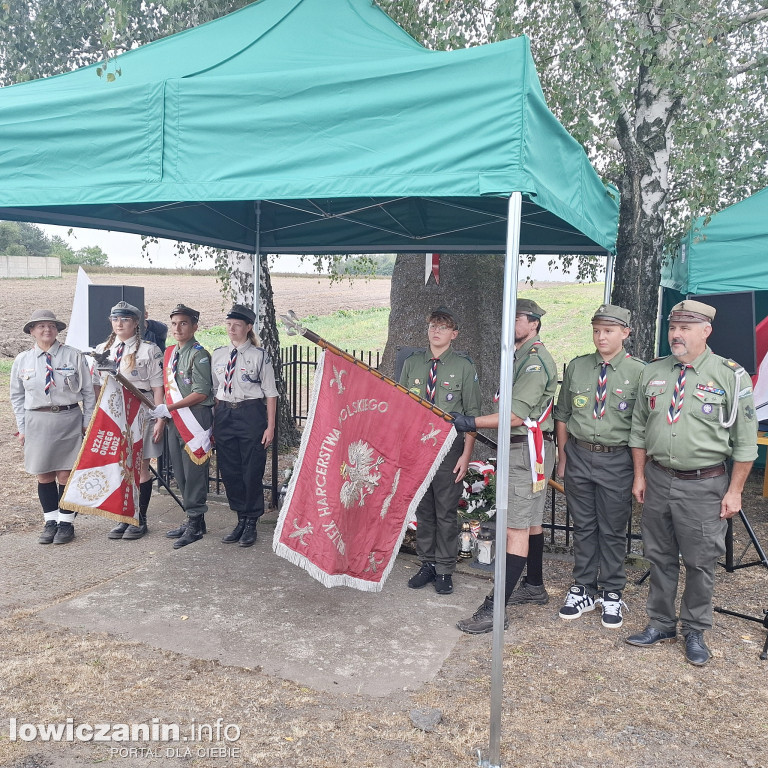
{"type": "Point", "coordinates": [507, 369]}
{"type": "Point", "coordinates": [609, 265]}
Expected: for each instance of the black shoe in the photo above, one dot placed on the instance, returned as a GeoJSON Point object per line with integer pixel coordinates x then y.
{"type": "Point", "coordinates": [118, 531]}
{"type": "Point", "coordinates": [237, 532]}
{"type": "Point", "coordinates": [248, 539]}
{"type": "Point", "coordinates": [193, 531]}
{"type": "Point", "coordinates": [137, 531]}
{"type": "Point", "coordinates": [482, 620]}
{"type": "Point", "coordinates": [177, 533]}
{"type": "Point", "coordinates": [48, 533]}
{"type": "Point", "coordinates": [443, 584]}
{"type": "Point", "coordinates": [650, 636]}
{"type": "Point", "coordinates": [65, 532]}
{"type": "Point", "coordinates": [696, 651]}
{"type": "Point", "coordinates": [426, 575]}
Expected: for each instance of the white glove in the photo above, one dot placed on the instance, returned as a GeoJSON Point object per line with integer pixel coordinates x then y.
{"type": "Point", "coordinates": [161, 412]}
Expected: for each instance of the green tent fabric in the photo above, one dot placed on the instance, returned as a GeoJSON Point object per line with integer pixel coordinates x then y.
{"type": "Point", "coordinates": [725, 252]}
{"type": "Point", "coordinates": [304, 126]}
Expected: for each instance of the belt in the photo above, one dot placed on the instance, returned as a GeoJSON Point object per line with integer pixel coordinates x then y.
{"type": "Point", "coordinates": [598, 448]}
{"type": "Point", "coordinates": [524, 438]}
{"type": "Point", "coordinates": [55, 408]}
{"type": "Point", "coordinates": [240, 404]}
{"type": "Point", "coordinates": [692, 474]}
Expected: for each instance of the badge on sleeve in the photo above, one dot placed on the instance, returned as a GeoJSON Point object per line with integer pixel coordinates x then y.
{"type": "Point", "coordinates": [623, 405]}
{"type": "Point", "coordinates": [449, 396]}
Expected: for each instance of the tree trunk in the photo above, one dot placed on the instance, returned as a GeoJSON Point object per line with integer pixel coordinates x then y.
{"type": "Point", "coordinates": [472, 286]}
{"type": "Point", "coordinates": [239, 284]}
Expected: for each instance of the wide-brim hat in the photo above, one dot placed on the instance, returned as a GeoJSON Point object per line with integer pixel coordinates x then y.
{"type": "Point", "coordinates": [241, 312]}
{"type": "Point", "coordinates": [44, 316]}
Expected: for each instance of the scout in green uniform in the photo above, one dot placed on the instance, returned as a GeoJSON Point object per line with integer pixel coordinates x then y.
{"type": "Point", "coordinates": [593, 417]}
{"type": "Point", "coordinates": [694, 411]}
{"type": "Point", "coordinates": [533, 390]}
{"type": "Point", "coordinates": [193, 379]}
{"type": "Point", "coordinates": [449, 381]}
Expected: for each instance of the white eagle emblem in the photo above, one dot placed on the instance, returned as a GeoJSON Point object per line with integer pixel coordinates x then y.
{"type": "Point", "coordinates": [362, 479]}
{"type": "Point", "coordinates": [337, 374]}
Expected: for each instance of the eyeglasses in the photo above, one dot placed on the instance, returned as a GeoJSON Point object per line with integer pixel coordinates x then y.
{"type": "Point", "coordinates": [439, 328]}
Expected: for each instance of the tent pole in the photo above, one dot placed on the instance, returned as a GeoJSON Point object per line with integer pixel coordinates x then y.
{"type": "Point", "coordinates": [507, 369]}
{"type": "Point", "coordinates": [257, 269]}
{"type": "Point", "coordinates": [609, 265]}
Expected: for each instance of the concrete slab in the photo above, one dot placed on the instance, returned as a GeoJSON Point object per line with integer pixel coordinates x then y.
{"type": "Point", "coordinates": [243, 607]}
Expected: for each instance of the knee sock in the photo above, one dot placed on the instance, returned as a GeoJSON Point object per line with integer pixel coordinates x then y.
{"type": "Point", "coordinates": [145, 494]}
{"type": "Point", "coordinates": [65, 516]}
{"type": "Point", "coordinates": [515, 565]}
{"type": "Point", "coordinates": [49, 500]}
{"type": "Point", "coordinates": [535, 572]}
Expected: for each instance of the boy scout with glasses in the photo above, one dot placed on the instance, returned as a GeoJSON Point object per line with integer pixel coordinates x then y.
{"type": "Point", "coordinates": [593, 418]}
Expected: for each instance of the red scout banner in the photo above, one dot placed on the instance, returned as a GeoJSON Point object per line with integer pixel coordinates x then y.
{"type": "Point", "coordinates": [105, 479]}
{"type": "Point", "coordinates": [368, 454]}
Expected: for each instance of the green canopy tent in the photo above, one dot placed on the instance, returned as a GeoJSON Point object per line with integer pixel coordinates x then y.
{"type": "Point", "coordinates": [311, 126]}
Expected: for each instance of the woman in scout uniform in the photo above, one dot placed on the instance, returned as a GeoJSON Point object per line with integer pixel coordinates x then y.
{"type": "Point", "coordinates": [593, 418]}
{"type": "Point", "coordinates": [141, 362]}
{"type": "Point", "coordinates": [244, 420]}
{"type": "Point", "coordinates": [47, 384]}
{"type": "Point", "coordinates": [448, 380]}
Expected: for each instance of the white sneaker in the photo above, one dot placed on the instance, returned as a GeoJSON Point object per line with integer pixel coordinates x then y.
{"type": "Point", "coordinates": [612, 605]}
{"type": "Point", "coordinates": [577, 601]}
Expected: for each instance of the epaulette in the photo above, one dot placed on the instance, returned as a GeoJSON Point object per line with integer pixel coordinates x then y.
{"type": "Point", "coordinates": [733, 365]}
{"type": "Point", "coordinates": [416, 351]}
{"type": "Point", "coordinates": [639, 360]}
{"type": "Point", "coordinates": [465, 356]}
{"type": "Point", "coordinates": [198, 345]}
{"type": "Point", "coordinates": [224, 346]}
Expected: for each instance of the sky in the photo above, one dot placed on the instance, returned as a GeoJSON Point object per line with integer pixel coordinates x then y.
{"type": "Point", "coordinates": [124, 250]}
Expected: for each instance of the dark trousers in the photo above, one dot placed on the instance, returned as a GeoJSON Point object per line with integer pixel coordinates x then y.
{"type": "Point", "coordinates": [240, 454]}
{"type": "Point", "coordinates": [682, 517]}
{"type": "Point", "coordinates": [437, 521]}
{"type": "Point", "coordinates": [598, 488]}
{"type": "Point", "coordinates": [191, 478]}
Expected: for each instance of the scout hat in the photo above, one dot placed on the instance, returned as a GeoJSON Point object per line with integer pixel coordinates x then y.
{"type": "Point", "coordinates": [44, 316]}
{"type": "Point", "coordinates": [531, 308]}
{"type": "Point", "coordinates": [241, 312]}
{"type": "Point", "coordinates": [445, 312]}
{"type": "Point", "coordinates": [124, 309]}
{"type": "Point", "coordinates": [690, 311]}
{"type": "Point", "coordinates": [181, 309]}
{"type": "Point", "coordinates": [612, 313]}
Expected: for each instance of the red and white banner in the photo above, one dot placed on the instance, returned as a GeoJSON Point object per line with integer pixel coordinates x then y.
{"type": "Point", "coordinates": [367, 456]}
{"type": "Point", "coordinates": [105, 479]}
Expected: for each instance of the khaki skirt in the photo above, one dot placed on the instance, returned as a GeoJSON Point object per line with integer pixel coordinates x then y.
{"type": "Point", "coordinates": [52, 440]}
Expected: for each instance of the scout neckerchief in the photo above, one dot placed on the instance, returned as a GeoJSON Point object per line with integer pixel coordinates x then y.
{"type": "Point", "coordinates": [678, 395]}
{"type": "Point", "coordinates": [197, 441]}
{"type": "Point", "coordinates": [49, 382]}
{"type": "Point", "coordinates": [432, 379]}
{"type": "Point", "coordinates": [230, 372]}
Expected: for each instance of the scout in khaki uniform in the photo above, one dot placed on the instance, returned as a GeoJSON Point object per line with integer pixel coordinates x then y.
{"type": "Point", "coordinates": [48, 383]}
{"type": "Point", "coordinates": [533, 391]}
{"type": "Point", "coordinates": [244, 420]}
{"type": "Point", "coordinates": [593, 417]}
{"type": "Point", "coordinates": [141, 362]}
{"type": "Point", "coordinates": [694, 411]}
{"type": "Point", "coordinates": [187, 368]}
{"type": "Point", "coordinates": [449, 381]}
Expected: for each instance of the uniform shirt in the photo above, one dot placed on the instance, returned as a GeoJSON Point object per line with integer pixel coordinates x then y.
{"type": "Point", "coordinates": [456, 389]}
{"type": "Point", "coordinates": [697, 440]}
{"type": "Point", "coordinates": [253, 377]}
{"type": "Point", "coordinates": [535, 384]}
{"type": "Point", "coordinates": [148, 364]}
{"type": "Point", "coordinates": [576, 401]}
{"type": "Point", "coordinates": [71, 376]}
{"type": "Point", "coordinates": [193, 373]}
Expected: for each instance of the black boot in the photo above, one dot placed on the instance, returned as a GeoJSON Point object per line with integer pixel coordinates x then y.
{"type": "Point", "coordinates": [137, 531]}
{"type": "Point", "coordinates": [177, 533]}
{"type": "Point", "coordinates": [118, 531]}
{"type": "Point", "coordinates": [248, 539]}
{"type": "Point", "coordinates": [238, 530]}
{"type": "Point", "coordinates": [193, 531]}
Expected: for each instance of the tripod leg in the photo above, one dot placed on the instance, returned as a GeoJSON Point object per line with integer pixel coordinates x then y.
{"type": "Point", "coordinates": [764, 654]}
{"type": "Point", "coordinates": [753, 538]}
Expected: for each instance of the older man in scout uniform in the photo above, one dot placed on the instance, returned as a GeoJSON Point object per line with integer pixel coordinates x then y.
{"type": "Point", "coordinates": [188, 402]}
{"type": "Point", "coordinates": [695, 410]}
{"type": "Point", "coordinates": [533, 391]}
{"type": "Point", "coordinates": [246, 404]}
{"type": "Point", "coordinates": [593, 417]}
{"type": "Point", "coordinates": [449, 380]}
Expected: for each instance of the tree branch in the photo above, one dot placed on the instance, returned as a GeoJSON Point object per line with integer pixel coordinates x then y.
{"type": "Point", "coordinates": [748, 66]}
